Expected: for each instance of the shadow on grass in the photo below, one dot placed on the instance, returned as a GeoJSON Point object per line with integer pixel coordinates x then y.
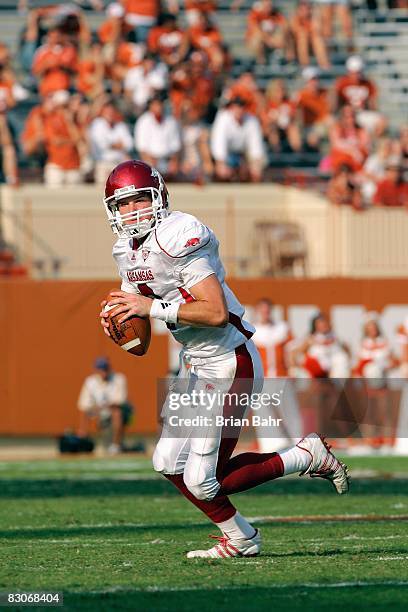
{"type": "Point", "coordinates": [53, 488]}
{"type": "Point", "coordinates": [293, 598]}
{"type": "Point", "coordinates": [125, 530]}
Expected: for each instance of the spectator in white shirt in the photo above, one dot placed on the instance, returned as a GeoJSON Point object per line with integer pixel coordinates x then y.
{"type": "Point", "coordinates": [237, 144]}
{"type": "Point", "coordinates": [110, 141]}
{"type": "Point", "coordinates": [157, 138]}
{"type": "Point", "coordinates": [143, 82]}
{"type": "Point", "coordinates": [104, 396]}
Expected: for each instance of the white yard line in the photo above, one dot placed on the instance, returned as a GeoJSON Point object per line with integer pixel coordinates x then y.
{"type": "Point", "coordinates": [252, 519]}
{"type": "Point", "coordinates": [328, 518]}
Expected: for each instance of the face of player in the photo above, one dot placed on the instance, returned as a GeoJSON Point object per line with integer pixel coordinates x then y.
{"type": "Point", "coordinates": [134, 203]}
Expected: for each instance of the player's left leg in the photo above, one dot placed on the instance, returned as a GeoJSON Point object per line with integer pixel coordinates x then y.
{"type": "Point", "coordinates": [210, 473]}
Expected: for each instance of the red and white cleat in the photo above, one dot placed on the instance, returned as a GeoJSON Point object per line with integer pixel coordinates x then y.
{"type": "Point", "coordinates": [227, 548]}
{"type": "Point", "coordinates": [323, 463]}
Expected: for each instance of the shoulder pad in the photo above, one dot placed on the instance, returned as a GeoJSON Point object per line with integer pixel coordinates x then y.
{"type": "Point", "coordinates": [181, 234]}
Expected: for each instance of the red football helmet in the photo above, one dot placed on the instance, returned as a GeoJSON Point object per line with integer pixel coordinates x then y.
{"type": "Point", "coordinates": [127, 179]}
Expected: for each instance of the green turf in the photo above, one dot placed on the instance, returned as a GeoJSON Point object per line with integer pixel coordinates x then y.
{"type": "Point", "coordinates": [112, 535]}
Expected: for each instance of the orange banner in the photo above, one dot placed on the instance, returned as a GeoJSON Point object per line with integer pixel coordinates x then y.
{"type": "Point", "coordinates": [51, 335]}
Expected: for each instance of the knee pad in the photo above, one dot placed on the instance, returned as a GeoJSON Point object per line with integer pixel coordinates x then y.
{"type": "Point", "coordinates": [159, 464]}
{"type": "Point", "coordinates": [170, 456]}
{"type": "Point", "coordinates": [162, 457]}
{"type": "Point", "coordinates": [200, 476]}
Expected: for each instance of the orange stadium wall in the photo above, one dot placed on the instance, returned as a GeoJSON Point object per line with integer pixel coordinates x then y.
{"type": "Point", "coordinates": [50, 336]}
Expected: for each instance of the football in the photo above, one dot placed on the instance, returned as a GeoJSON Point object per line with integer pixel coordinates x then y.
{"type": "Point", "coordinates": [133, 335]}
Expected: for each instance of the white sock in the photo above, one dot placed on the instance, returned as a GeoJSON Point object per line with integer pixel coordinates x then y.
{"type": "Point", "coordinates": [294, 460]}
{"type": "Point", "coordinates": [237, 528]}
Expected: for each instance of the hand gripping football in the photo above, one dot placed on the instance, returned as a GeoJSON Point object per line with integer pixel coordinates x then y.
{"type": "Point", "coordinates": [133, 335]}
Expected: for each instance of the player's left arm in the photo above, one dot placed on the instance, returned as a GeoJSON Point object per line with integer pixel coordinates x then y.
{"type": "Point", "coordinates": [209, 308]}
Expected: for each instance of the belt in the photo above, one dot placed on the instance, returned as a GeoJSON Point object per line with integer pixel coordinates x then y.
{"type": "Point", "coordinates": [195, 361]}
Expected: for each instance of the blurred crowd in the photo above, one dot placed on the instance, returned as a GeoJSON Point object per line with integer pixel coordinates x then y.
{"type": "Point", "coordinates": [154, 81]}
{"type": "Point", "coordinates": [380, 363]}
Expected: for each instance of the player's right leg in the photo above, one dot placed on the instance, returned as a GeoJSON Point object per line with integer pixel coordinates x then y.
{"type": "Point", "coordinates": [170, 458]}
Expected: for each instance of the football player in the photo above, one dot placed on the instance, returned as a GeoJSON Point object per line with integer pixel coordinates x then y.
{"type": "Point", "coordinates": [171, 270]}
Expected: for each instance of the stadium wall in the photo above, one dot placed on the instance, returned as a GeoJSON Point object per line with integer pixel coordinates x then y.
{"type": "Point", "coordinates": [69, 226]}
{"type": "Point", "coordinates": [51, 336]}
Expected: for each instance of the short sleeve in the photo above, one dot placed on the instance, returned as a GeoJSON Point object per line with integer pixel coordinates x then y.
{"type": "Point", "coordinates": [195, 258]}
{"type": "Point", "coordinates": [195, 271]}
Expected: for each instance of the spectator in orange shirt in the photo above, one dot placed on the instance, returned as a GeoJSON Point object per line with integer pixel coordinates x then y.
{"type": "Point", "coordinates": [61, 137]}
{"type": "Point", "coordinates": [246, 88]}
{"type": "Point", "coordinates": [32, 137]}
{"type": "Point", "coordinates": [202, 85]}
{"type": "Point", "coordinates": [193, 82]}
{"type": "Point", "coordinates": [349, 142]}
{"type": "Point", "coordinates": [343, 189]}
{"type": "Point", "coordinates": [129, 54]}
{"type": "Point", "coordinates": [180, 87]}
{"type": "Point", "coordinates": [91, 71]}
{"type": "Point", "coordinates": [6, 90]}
{"type": "Point", "coordinates": [54, 63]}
{"type": "Point", "coordinates": [279, 118]}
{"type": "Point", "coordinates": [206, 37]}
{"type": "Point", "coordinates": [195, 8]}
{"type": "Point", "coordinates": [168, 41]}
{"type": "Point", "coordinates": [360, 93]}
{"type": "Point", "coordinates": [313, 104]}
{"type": "Point", "coordinates": [393, 189]}
{"type": "Point", "coordinates": [267, 31]}
{"type": "Point", "coordinates": [111, 30]}
{"type": "Point", "coordinates": [307, 36]}
{"type": "Point", "coordinates": [141, 15]}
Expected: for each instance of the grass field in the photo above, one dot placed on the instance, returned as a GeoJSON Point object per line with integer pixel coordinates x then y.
{"type": "Point", "coordinates": [111, 535]}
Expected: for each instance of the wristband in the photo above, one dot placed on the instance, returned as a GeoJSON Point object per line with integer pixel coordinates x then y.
{"type": "Point", "coordinates": [164, 311]}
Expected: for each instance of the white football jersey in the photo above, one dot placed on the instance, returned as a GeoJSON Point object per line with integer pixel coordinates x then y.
{"type": "Point", "coordinates": [177, 255]}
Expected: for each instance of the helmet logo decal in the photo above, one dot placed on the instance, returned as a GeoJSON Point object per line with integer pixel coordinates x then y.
{"type": "Point", "coordinates": [192, 242]}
